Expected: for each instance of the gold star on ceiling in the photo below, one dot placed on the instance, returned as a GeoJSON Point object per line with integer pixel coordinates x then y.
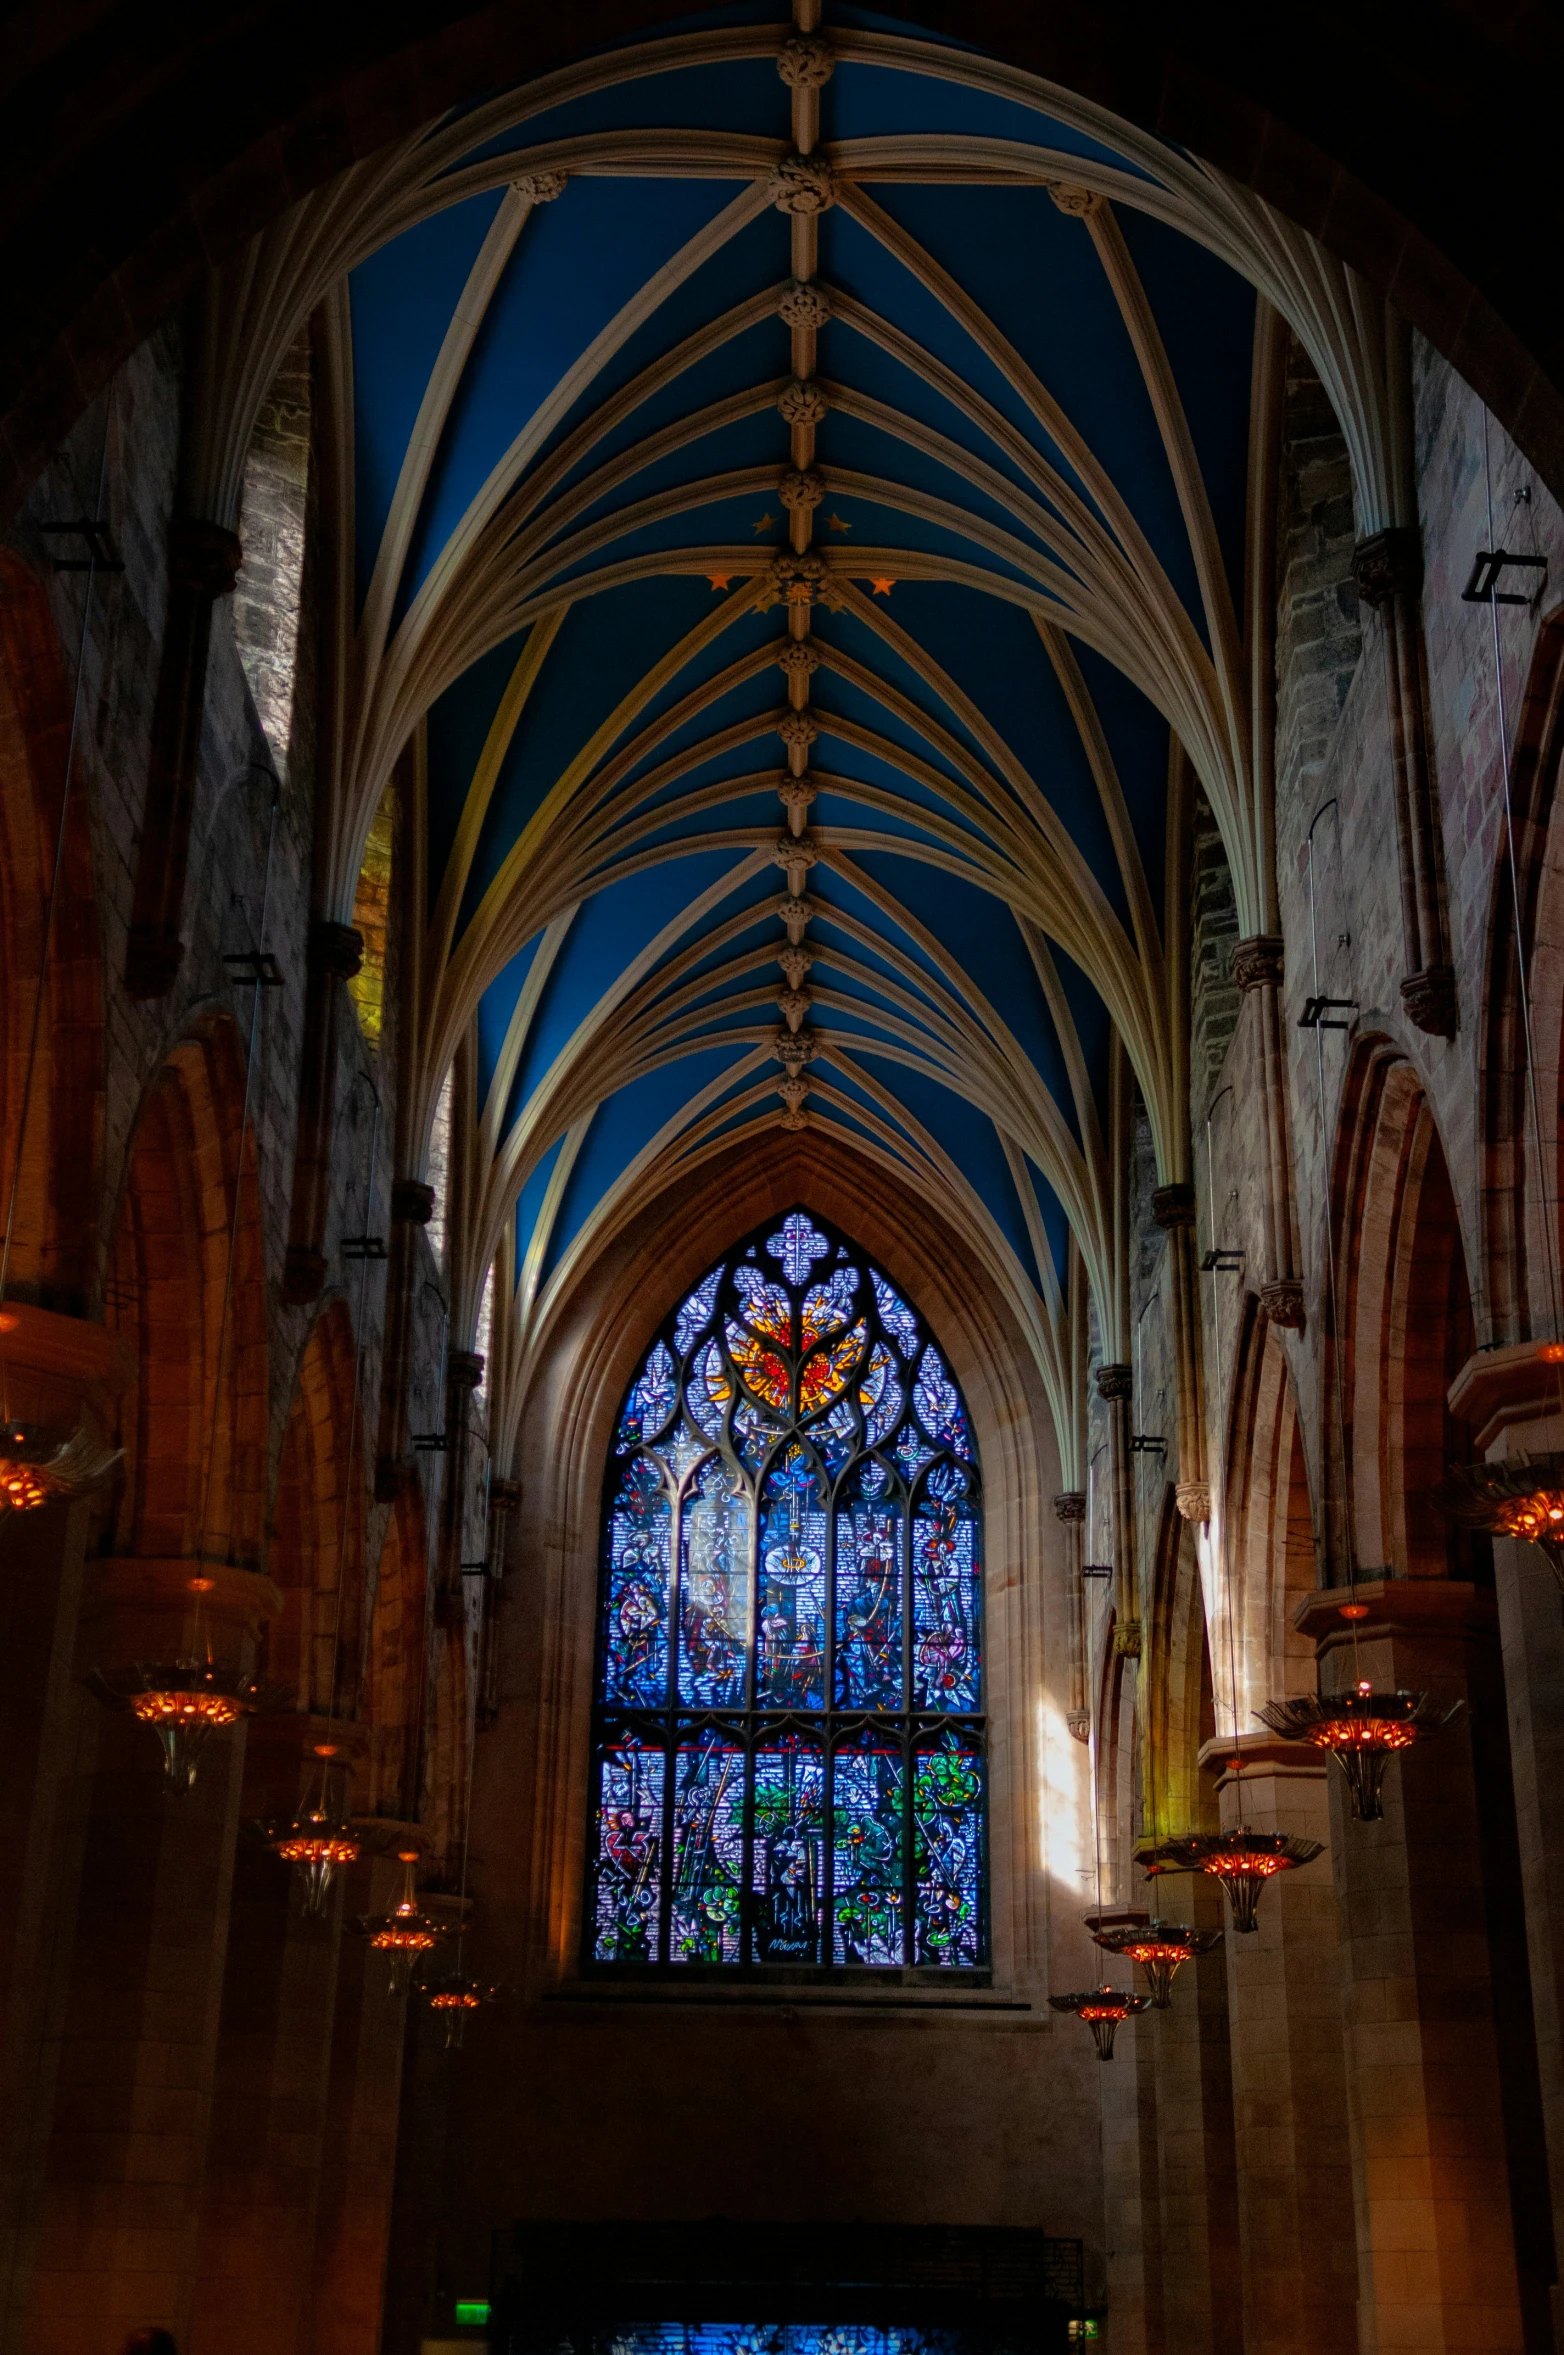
{"type": "Point", "coordinates": [765, 523]}
{"type": "Point", "coordinates": [834, 523]}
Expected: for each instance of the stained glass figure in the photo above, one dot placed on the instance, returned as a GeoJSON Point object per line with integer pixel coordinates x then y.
{"type": "Point", "coordinates": [790, 1755]}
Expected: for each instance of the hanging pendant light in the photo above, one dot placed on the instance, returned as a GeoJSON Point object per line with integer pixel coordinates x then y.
{"type": "Point", "coordinates": [455, 1998]}
{"type": "Point", "coordinates": [406, 1934]}
{"type": "Point", "coordinates": [1362, 1730]}
{"type": "Point", "coordinates": [1522, 1498]}
{"type": "Point", "coordinates": [185, 1701]}
{"type": "Point", "coordinates": [1103, 2009]}
{"type": "Point", "coordinates": [1243, 1861]}
{"type": "Point", "coordinates": [1159, 1947]}
{"type": "Point", "coordinates": [40, 1466]}
{"type": "Point", "coordinates": [319, 1839]}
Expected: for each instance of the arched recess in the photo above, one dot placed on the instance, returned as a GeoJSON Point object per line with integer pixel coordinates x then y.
{"type": "Point", "coordinates": [1268, 1536]}
{"type": "Point", "coordinates": [1405, 1325]}
{"type": "Point", "coordinates": [54, 1246]}
{"type": "Point", "coordinates": [567, 1423]}
{"type": "Point", "coordinates": [193, 1424]}
{"type": "Point", "coordinates": [317, 1555]}
{"type": "Point", "coordinates": [1521, 1263]}
{"type": "Point", "coordinates": [1179, 1706]}
{"type": "Point", "coordinates": [398, 1663]}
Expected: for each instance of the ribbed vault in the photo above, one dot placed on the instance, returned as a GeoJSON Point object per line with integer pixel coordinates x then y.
{"type": "Point", "coordinates": [807, 489]}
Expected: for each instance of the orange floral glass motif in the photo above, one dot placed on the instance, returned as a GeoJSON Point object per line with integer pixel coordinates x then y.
{"type": "Point", "coordinates": [826, 1374]}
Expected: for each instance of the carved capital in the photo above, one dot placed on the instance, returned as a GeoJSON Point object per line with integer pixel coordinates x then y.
{"type": "Point", "coordinates": [801, 487]}
{"type": "Point", "coordinates": [304, 1271]}
{"type": "Point", "coordinates": [1071, 1506]}
{"type": "Point", "coordinates": [802, 184]}
{"type": "Point", "coordinates": [795, 1004]}
{"type": "Point", "coordinates": [1389, 564]}
{"type": "Point", "coordinates": [504, 1495]}
{"type": "Point", "coordinates": [795, 797]}
{"type": "Point", "coordinates": [203, 556]}
{"type": "Point", "coordinates": [805, 61]}
{"type": "Point", "coordinates": [1079, 1722]}
{"type": "Point", "coordinates": [804, 304]}
{"type": "Point", "coordinates": [794, 1048]}
{"type": "Point", "coordinates": [1282, 1303]}
{"type": "Point", "coordinates": [1079, 203]}
{"type": "Point", "coordinates": [464, 1368]}
{"type": "Point", "coordinates": [796, 911]}
{"type": "Point", "coordinates": [1258, 963]}
{"type": "Point", "coordinates": [797, 727]}
{"type": "Point", "coordinates": [337, 949]}
{"type": "Point", "coordinates": [1430, 1001]}
{"type": "Point", "coordinates": [1126, 1639]}
{"type": "Point", "coordinates": [1193, 1499]}
{"type": "Point", "coordinates": [540, 187]}
{"type": "Point", "coordinates": [412, 1202]}
{"type": "Point", "coordinates": [1115, 1382]}
{"type": "Point", "coordinates": [802, 402]}
{"type": "Point", "coordinates": [1173, 1206]}
{"type": "Point", "coordinates": [794, 852]}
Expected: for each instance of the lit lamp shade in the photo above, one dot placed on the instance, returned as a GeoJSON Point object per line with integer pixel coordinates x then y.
{"type": "Point", "coordinates": [405, 1935]}
{"type": "Point", "coordinates": [1362, 1730]}
{"type": "Point", "coordinates": [1521, 1498]}
{"type": "Point", "coordinates": [39, 1466]}
{"type": "Point", "coordinates": [1160, 1948]}
{"type": "Point", "coordinates": [1103, 2009]}
{"type": "Point", "coordinates": [184, 1702]}
{"type": "Point", "coordinates": [318, 1840]}
{"type": "Point", "coordinates": [1243, 1861]}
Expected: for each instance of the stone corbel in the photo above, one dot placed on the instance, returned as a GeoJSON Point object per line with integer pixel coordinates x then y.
{"type": "Point", "coordinates": [1258, 971]}
{"type": "Point", "coordinates": [1387, 568]}
{"type": "Point", "coordinates": [203, 564]}
{"type": "Point", "coordinates": [336, 952]}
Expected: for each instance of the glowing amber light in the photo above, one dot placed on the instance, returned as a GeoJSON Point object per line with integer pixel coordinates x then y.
{"type": "Point", "coordinates": [316, 1848]}
{"type": "Point", "coordinates": [1354, 1610]}
{"type": "Point", "coordinates": [1536, 1517]}
{"type": "Point", "coordinates": [451, 1999]}
{"type": "Point", "coordinates": [21, 1487]}
{"type": "Point", "coordinates": [1243, 1861]}
{"type": "Point", "coordinates": [1103, 2009]}
{"type": "Point", "coordinates": [205, 1709]}
{"type": "Point", "coordinates": [1552, 1353]}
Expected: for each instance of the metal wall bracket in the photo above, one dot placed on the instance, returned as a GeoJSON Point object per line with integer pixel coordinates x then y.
{"type": "Point", "coordinates": [1317, 1013]}
{"type": "Point", "coordinates": [1142, 1443]}
{"type": "Point", "coordinates": [100, 556]}
{"type": "Point", "coordinates": [363, 1246]}
{"type": "Point", "coordinates": [430, 1443]}
{"type": "Point", "coordinates": [1223, 1261]}
{"type": "Point", "coordinates": [1096, 1569]}
{"type": "Point", "coordinates": [254, 965]}
{"type": "Point", "coordinates": [1488, 569]}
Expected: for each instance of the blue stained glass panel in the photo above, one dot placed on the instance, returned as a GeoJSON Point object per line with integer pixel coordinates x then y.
{"type": "Point", "coordinates": [868, 1594]}
{"type": "Point", "coordinates": [635, 1618]}
{"type": "Point", "coordinates": [945, 1664]}
{"type": "Point", "coordinates": [947, 1819]}
{"type": "Point", "coordinates": [627, 1871]}
{"type": "Point", "coordinates": [706, 1919]}
{"type": "Point", "coordinates": [787, 1870]}
{"type": "Point", "coordinates": [790, 1672]}
{"type": "Point", "coordinates": [790, 1758]}
{"type": "Point", "coordinates": [714, 1590]}
{"type": "Point", "coordinates": [867, 1901]}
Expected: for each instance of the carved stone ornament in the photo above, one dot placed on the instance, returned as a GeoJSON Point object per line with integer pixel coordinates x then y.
{"type": "Point", "coordinates": [795, 963]}
{"type": "Point", "coordinates": [793, 1092]}
{"type": "Point", "coordinates": [795, 1004]}
{"type": "Point", "coordinates": [336, 949]}
{"type": "Point", "coordinates": [795, 796]}
{"type": "Point", "coordinates": [1173, 1206]}
{"type": "Point", "coordinates": [1430, 1001]}
{"type": "Point", "coordinates": [1071, 1506]}
{"type": "Point", "coordinates": [1389, 564]}
{"type": "Point", "coordinates": [805, 62]}
{"type": "Point", "coordinates": [794, 850]}
{"type": "Point", "coordinates": [1193, 1499]}
{"type": "Point", "coordinates": [802, 184]}
{"type": "Point", "coordinates": [540, 187]}
{"type": "Point", "coordinates": [793, 1047]}
{"type": "Point", "coordinates": [1079, 1722]}
{"type": "Point", "coordinates": [802, 402]}
{"type": "Point", "coordinates": [1282, 1303]}
{"type": "Point", "coordinates": [1258, 963]}
{"type": "Point", "coordinates": [801, 486]}
{"type": "Point", "coordinates": [798, 658]}
{"type": "Point", "coordinates": [804, 304]}
{"type": "Point", "coordinates": [797, 727]}
{"type": "Point", "coordinates": [1115, 1382]}
{"type": "Point", "coordinates": [1126, 1640]}
{"type": "Point", "coordinates": [412, 1201]}
{"type": "Point", "coordinates": [203, 556]}
{"type": "Point", "coordinates": [796, 910]}
{"type": "Point", "coordinates": [464, 1369]}
{"type": "Point", "coordinates": [1079, 203]}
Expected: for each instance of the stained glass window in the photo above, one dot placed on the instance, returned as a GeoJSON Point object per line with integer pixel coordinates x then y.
{"type": "Point", "coordinates": [791, 1764]}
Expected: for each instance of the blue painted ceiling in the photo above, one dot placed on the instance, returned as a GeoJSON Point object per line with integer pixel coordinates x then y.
{"type": "Point", "coordinates": [595, 488]}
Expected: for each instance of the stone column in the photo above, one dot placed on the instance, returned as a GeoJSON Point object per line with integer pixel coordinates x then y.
{"type": "Point", "coordinates": [1201, 2301]}
{"type": "Point", "coordinates": [262, 2189]}
{"type": "Point", "coordinates": [1511, 1399]}
{"type": "Point", "coordinates": [463, 1373]}
{"type": "Point", "coordinates": [1115, 1386]}
{"type": "Point", "coordinates": [363, 2096]}
{"type": "Point", "coordinates": [1132, 2207]}
{"type": "Point", "coordinates": [1292, 2148]}
{"type": "Point", "coordinates": [1173, 1208]}
{"type": "Point", "coordinates": [1258, 971]}
{"type": "Point", "coordinates": [203, 564]}
{"type": "Point", "coordinates": [1426, 2108]}
{"type": "Point", "coordinates": [1387, 568]}
{"type": "Point", "coordinates": [412, 1207]}
{"type": "Point", "coordinates": [1070, 1508]}
{"type": "Point", "coordinates": [116, 2173]}
{"type": "Point", "coordinates": [335, 953]}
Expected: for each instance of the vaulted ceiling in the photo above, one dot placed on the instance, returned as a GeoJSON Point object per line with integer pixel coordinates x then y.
{"type": "Point", "coordinates": [802, 489]}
